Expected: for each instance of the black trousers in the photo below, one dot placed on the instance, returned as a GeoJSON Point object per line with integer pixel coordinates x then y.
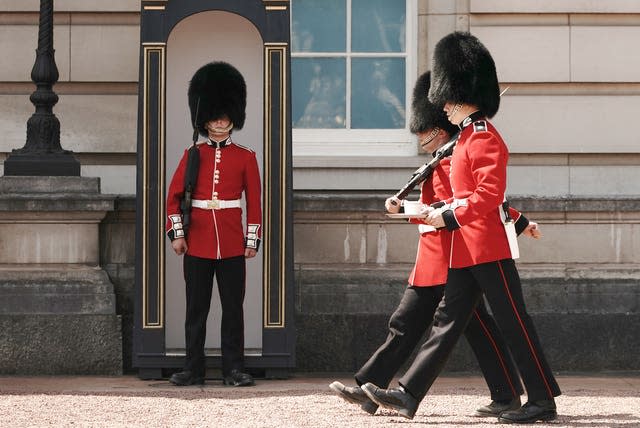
{"type": "Point", "coordinates": [414, 317]}
{"type": "Point", "coordinates": [500, 283]}
{"type": "Point", "coordinates": [198, 275]}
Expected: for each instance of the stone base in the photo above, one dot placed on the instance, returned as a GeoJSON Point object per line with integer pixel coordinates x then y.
{"type": "Point", "coordinates": [55, 290]}
{"type": "Point", "coordinates": [57, 306]}
{"type": "Point", "coordinates": [55, 344]}
{"type": "Point", "coordinates": [573, 343]}
{"type": "Point", "coordinates": [58, 320]}
{"type": "Point", "coordinates": [587, 319]}
{"type": "Point", "coordinates": [43, 164]}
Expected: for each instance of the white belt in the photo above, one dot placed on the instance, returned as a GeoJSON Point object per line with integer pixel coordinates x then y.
{"type": "Point", "coordinates": [215, 204]}
{"type": "Point", "coordinates": [425, 228]}
{"type": "Point", "coordinates": [510, 229]}
{"type": "Point", "coordinates": [458, 203]}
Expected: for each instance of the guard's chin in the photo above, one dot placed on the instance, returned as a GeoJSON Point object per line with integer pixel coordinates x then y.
{"type": "Point", "coordinates": [218, 131]}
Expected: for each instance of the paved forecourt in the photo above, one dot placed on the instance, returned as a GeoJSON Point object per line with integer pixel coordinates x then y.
{"type": "Point", "coordinates": [302, 401]}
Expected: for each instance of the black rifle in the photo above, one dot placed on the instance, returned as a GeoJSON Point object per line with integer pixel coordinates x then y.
{"type": "Point", "coordinates": [190, 176]}
{"type": "Point", "coordinates": [426, 170]}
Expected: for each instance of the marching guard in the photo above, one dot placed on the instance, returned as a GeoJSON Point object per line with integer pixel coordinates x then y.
{"type": "Point", "coordinates": [481, 253]}
{"type": "Point", "coordinates": [414, 314]}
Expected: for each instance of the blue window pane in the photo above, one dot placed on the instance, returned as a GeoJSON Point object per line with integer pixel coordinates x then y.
{"type": "Point", "coordinates": [378, 93]}
{"type": "Point", "coordinates": [318, 92]}
{"type": "Point", "coordinates": [378, 25]}
{"type": "Point", "coordinates": [318, 26]}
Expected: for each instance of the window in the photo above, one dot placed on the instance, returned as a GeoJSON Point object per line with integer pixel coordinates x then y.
{"type": "Point", "coordinates": [351, 75]}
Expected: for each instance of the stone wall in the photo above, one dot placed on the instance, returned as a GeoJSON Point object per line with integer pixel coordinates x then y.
{"type": "Point", "coordinates": [562, 118]}
{"type": "Point", "coordinates": [581, 279]}
{"type": "Point", "coordinates": [96, 50]}
{"type": "Point", "coordinates": [118, 259]}
{"type": "Point", "coordinates": [570, 69]}
{"type": "Point", "coordinates": [561, 115]}
{"type": "Point", "coordinates": [57, 305]}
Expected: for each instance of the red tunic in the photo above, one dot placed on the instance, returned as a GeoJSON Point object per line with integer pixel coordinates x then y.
{"type": "Point", "coordinates": [224, 174]}
{"type": "Point", "coordinates": [432, 258]}
{"type": "Point", "coordinates": [478, 179]}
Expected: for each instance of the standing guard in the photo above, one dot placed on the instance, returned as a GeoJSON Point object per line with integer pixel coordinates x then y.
{"type": "Point", "coordinates": [215, 243]}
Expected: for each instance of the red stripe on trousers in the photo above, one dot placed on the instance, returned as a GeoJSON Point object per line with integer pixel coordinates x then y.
{"type": "Point", "coordinates": [495, 348]}
{"type": "Point", "coordinates": [524, 330]}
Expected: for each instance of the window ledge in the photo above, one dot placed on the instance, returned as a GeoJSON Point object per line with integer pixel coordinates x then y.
{"type": "Point", "coordinates": [354, 162]}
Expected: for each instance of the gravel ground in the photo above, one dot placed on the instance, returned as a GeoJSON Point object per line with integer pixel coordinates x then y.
{"type": "Point", "coordinates": [612, 402]}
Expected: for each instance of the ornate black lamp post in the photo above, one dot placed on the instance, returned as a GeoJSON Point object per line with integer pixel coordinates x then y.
{"type": "Point", "coordinates": [42, 155]}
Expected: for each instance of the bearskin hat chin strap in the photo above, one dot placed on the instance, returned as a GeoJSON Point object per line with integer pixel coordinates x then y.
{"type": "Point", "coordinates": [217, 131]}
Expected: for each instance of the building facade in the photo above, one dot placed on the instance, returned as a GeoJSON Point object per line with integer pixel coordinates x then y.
{"type": "Point", "coordinates": [573, 89]}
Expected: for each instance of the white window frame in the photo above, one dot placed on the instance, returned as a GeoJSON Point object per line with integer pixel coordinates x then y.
{"type": "Point", "coordinates": [365, 142]}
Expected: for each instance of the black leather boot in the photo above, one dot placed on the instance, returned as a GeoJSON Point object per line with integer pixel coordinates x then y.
{"type": "Point", "coordinates": [237, 378]}
{"type": "Point", "coordinates": [395, 398]}
{"type": "Point", "coordinates": [496, 408]}
{"type": "Point", "coordinates": [186, 378]}
{"type": "Point", "coordinates": [354, 395]}
{"type": "Point", "coordinates": [532, 411]}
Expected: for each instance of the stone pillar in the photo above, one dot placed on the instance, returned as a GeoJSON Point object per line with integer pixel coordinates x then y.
{"type": "Point", "coordinates": [57, 305]}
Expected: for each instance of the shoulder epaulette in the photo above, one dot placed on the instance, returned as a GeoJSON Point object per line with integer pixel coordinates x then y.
{"type": "Point", "coordinates": [479, 126]}
{"type": "Point", "coordinates": [243, 147]}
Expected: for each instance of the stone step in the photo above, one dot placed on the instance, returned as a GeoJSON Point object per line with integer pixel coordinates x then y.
{"type": "Point", "coordinates": [49, 184]}
{"type": "Point", "coordinates": [53, 272]}
{"type": "Point", "coordinates": [559, 290]}
{"type": "Point", "coordinates": [60, 344]}
{"type": "Point", "coordinates": [55, 303]}
{"type": "Point", "coordinates": [56, 291]}
{"type": "Point", "coordinates": [571, 342]}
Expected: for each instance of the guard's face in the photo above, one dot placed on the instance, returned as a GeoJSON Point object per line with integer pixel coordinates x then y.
{"type": "Point", "coordinates": [452, 110]}
{"type": "Point", "coordinates": [220, 126]}
{"type": "Point", "coordinates": [432, 139]}
{"type": "Point", "coordinates": [221, 122]}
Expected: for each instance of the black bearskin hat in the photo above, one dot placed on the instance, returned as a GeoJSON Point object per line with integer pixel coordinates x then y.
{"type": "Point", "coordinates": [464, 71]}
{"type": "Point", "coordinates": [217, 89]}
{"type": "Point", "coordinates": [424, 114]}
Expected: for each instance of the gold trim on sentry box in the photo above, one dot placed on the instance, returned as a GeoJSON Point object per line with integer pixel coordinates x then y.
{"type": "Point", "coordinates": [151, 49]}
{"type": "Point", "coordinates": [275, 52]}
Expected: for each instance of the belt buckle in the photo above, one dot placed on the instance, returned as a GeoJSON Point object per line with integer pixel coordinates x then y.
{"type": "Point", "coordinates": [213, 204]}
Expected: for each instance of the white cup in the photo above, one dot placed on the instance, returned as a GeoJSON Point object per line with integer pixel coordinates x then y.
{"type": "Point", "coordinates": [412, 207]}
